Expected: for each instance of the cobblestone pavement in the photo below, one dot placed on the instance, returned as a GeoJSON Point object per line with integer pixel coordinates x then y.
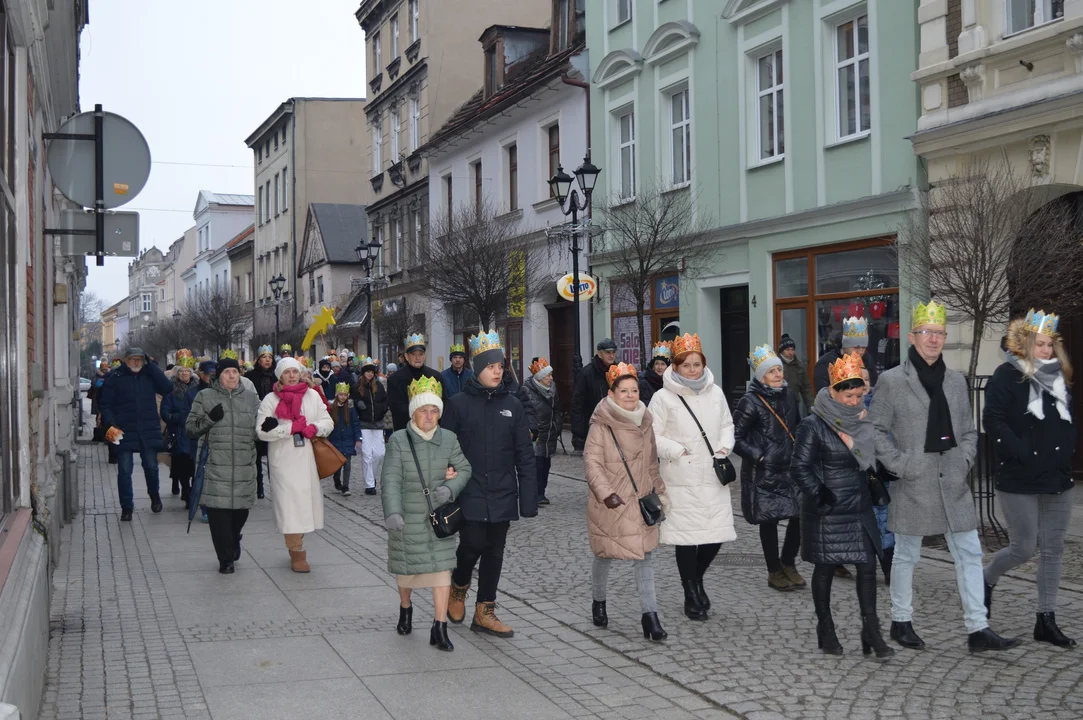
{"type": "Point", "coordinates": [143, 626]}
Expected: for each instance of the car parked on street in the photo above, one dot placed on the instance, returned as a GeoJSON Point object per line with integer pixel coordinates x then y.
{"type": "Point", "coordinates": [84, 385]}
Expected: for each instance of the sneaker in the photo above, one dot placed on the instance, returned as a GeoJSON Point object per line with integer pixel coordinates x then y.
{"type": "Point", "coordinates": [346, 492]}
{"type": "Point", "coordinates": [543, 500]}
{"type": "Point", "coordinates": [370, 491]}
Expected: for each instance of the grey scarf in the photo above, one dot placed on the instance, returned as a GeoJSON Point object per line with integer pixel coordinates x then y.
{"type": "Point", "coordinates": [1044, 376]}
{"type": "Point", "coordinates": [547, 392]}
{"type": "Point", "coordinates": [695, 386]}
{"type": "Point", "coordinates": [852, 425]}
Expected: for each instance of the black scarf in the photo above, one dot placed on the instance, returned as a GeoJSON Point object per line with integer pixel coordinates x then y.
{"type": "Point", "coordinates": [939, 435]}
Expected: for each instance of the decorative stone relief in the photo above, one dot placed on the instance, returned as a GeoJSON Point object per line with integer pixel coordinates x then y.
{"type": "Point", "coordinates": [1040, 150]}
{"type": "Point", "coordinates": [1075, 49]}
{"type": "Point", "coordinates": [932, 96]}
{"type": "Point", "coordinates": [974, 79]}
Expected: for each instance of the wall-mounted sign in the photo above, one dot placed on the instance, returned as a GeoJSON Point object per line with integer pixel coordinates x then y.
{"type": "Point", "coordinates": [588, 287]}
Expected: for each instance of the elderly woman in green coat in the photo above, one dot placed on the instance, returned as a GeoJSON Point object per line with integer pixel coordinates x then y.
{"type": "Point", "coordinates": [415, 555]}
{"type": "Point", "coordinates": [223, 415]}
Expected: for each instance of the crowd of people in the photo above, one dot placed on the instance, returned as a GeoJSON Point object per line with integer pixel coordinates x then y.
{"type": "Point", "coordinates": [859, 465]}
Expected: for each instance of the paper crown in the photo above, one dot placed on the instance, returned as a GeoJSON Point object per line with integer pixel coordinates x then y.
{"type": "Point", "coordinates": [846, 367]}
{"type": "Point", "coordinates": [537, 365]}
{"type": "Point", "coordinates": [1038, 322]}
{"type": "Point", "coordinates": [424, 384]}
{"type": "Point", "coordinates": [248, 365]}
{"type": "Point", "coordinates": [332, 356]}
{"type": "Point", "coordinates": [484, 341]}
{"type": "Point", "coordinates": [265, 350]}
{"type": "Point", "coordinates": [367, 361]}
{"type": "Point", "coordinates": [186, 361]}
{"type": "Point", "coordinates": [342, 388]}
{"type": "Point", "coordinates": [414, 340]}
{"type": "Point", "coordinates": [931, 314]}
{"type": "Point", "coordinates": [619, 370]}
{"type": "Point", "coordinates": [662, 350]}
{"type": "Point", "coordinates": [286, 347]}
{"type": "Point", "coordinates": [183, 352]}
{"type": "Point", "coordinates": [760, 355]}
{"type": "Point", "coordinates": [683, 344]}
{"type": "Point", "coordinates": [115, 363]}
{"type": "Point", "coordinates": [305, 362]}
{"type": "Point", "coordinates": [228, 354]}
{"type": "Point", "coordinates": [855, 327]}
{"type": "Point", "coordinates": [459, 348]}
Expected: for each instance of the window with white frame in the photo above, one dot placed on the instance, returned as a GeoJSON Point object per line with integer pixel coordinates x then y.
{"type": "Point", "coordinates": [147, 299]}
{"type": "Point", "coordinates": [267, 192]}
{"type": "Point", "coordinates": [418, 237]}
{"type": "Point", "coordinates": [311, 289]}
{"type": "Point", "coordinates": [377, 146]}
{"type": "Point", "coordinates": [626, 153]}
{"type": "Point", "coordinates": [248, 287]}
{"type": "Point", "coordinates": [680, 137]}
{"type": "Point", "coordinates": [396, 128]}
{"type": "Point", "coordinates": [769, 105]}
{"type": "Point", "coordinates": [394, 37]}
{"type": "Point", "coordinates": [415, 121]}
{"type": "Point", "coordinates": [396, 243]}
{"type": "Point", "coordinates": [413, 20]}
{"type": "Point", "coordinates": [1024, 14]}
{"type": "Point", "coordinates": [377, 68]}
{"type": "Point", "coordinates": [380, 241]}
{"type": "Point", "coordinates": [285, 188]}
{"type": "Point", "coordinates": [319, 288]}
{"type": "Point", "coordinates": [277, 194]}
{"type": "Point", "coordinates": [852, 77]}
{"type": "Point", "coordinates": [623, 11]}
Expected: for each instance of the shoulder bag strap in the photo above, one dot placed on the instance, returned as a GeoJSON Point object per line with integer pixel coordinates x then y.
{"type": "Point", "coordinates": [626, 468]}
{"type": "Point", "coordinates": [696, 419]}
{"type": "Point", "coordinates": [780, 422]}
{"type": "Point", "coordinates": [424, 487]}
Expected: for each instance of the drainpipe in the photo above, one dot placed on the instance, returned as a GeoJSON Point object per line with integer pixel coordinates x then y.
{"type": "Point", "coordinates": [293, 205]}
{"type": "Point", "coordinates": [590, 208]}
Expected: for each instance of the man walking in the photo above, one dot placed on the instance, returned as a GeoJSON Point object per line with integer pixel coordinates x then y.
{"type": "Point", "coordinates": [413, 368]}
{"type": "Point", "coordinates": [456, 376]}
{"type": "Point", "coordinates": [590, 387]}
{"type": "Point", "coordinates": [128, 403]}
{"type": "Point", "coordinates": [794, 372]}
{"type": "Point", "coordinates": [925, 435]}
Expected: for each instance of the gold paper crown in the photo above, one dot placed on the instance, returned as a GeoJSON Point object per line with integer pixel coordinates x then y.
{"type": "Point", "coordinates": [484, 341]}
{"type": "Point", "coordinates": [619, 370]}
{"type": "Point", "coordinates": [115, 363]}
{"type": "Point", "coordinates": [1038, 322]}
{"type": "Point", "coordinates": [537, 365]}
{"type": "Point", "coordinates": [342, 388]}
{"type": "Point", "coordinates": [186, 361]}
{"type": "Point", "coordinates": [458, 348]}
{"type": "Point", "coordinates": [332, 356]}
{"type": "Point", "coordinates": [183, 353]}
{"type": "Point", "coordinates": [415, 340]}
{"type": "Point", "coordinates": [663, 350]}
{"type": "Point", "coordinates": [855, 327]}
{"type": "Point", "coordinates": [305, 362]}
{"type": "Point", "coordinates": [760, 355]}
{"type": "Point", "coordinates": [229, 354]}
{"type": "Point", "coordinates": [931, 314]}
{"type": "Point", "coordinates": [424, 384]}
{"type": "Point", "coordinates": [286, 347]}
{"type": "Point", "coordinates": [684, 344]}
{"type": "Point", "coordinates": [846, 367]}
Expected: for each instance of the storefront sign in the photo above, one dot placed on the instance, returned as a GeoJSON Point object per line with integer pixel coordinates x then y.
{"type": "Point", "coordinates": [588, 287]}
{"type": "Point", "coordinates": [517, 289]}
{"type": "Point", "coordinates": [667, 292]}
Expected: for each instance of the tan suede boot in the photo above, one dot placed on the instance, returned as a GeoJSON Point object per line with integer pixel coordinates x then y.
{"type": "Point", "coordinates": [299, 561]}
{"type": "Point", "coordinates": [793, 576]}
{"type": "Point", "coordinates": [456, 607]}
{"type": "Point", "coordinates": [485, 621]}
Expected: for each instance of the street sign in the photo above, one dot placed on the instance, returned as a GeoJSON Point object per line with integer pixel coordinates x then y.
{"type": "Point", "coordinates": [121, 233]}
{"type": "Point", "coordinates": [125, 160]}
{"type": "Point", "coordinates": [588, 287]}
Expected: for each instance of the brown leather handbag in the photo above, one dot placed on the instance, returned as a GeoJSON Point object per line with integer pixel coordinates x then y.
{"type": "Point", "coordinates": [328, 459]}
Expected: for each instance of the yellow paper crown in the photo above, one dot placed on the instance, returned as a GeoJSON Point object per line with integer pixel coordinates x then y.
{"type": "Point", "coordinates": [931, 314]}
{"type": "Point", "coordinates": [846, 367]}
{"type": "Point", "coordinates": [286, 347]}
{"type": "Point", "coordinates": [1038, 322]}
{"type": "Point", "coordinates": [684, 344]}
{"type": "Point", "coordinates": [424, 384]}
{"type": "Point", "coordinates": [619, 370]}
{"type": "Point", "coordinates": [458, 348]}
{"type": "Point", "coordinates": [342, 388]}
{"type": "Point", "coordinates": [186, 361]}
{"type": "Point", "coordinates": [229, 354]}
{"type": "Point", "coordinates": [537, 365]}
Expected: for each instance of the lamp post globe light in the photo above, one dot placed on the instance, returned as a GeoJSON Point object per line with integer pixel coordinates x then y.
{"type": "Point", "coordinates": [367, 255]}
{"type": "Point", "coordinates": [586, 176]}
{"type": "Point", "coordinates": [277, 283]}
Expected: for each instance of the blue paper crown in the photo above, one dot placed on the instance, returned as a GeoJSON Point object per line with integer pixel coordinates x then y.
{"type": "Point", "coordinates": [265, 350]}
{"type": "Point", "coordinates": [759, 356]}
{"type": "Point", "coordinates": [484, 341]}
{"type": "Point", "coordinates": [415, 339]}
{"type": "Point", "coordinates": [1038, 321]}
{"type": "Point", "coordinates": [855, 327]}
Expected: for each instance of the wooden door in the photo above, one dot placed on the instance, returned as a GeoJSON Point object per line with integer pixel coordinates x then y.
{"type": "Point", "coordinates": [561, 351]}
{"type": "Point", "coordinates": [735, 339]}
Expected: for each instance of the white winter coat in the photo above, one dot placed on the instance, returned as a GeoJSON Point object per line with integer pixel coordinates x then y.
{"type": "Point", "coordinates": [699, 510]}
{"type": "Point", "coordinates": [295, 486]}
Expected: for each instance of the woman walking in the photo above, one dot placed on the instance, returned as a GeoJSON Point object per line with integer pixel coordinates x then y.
{"type": "Point", "coordinates": [764, 422]}
{"type": "Point", "coordinates": [693, 426]}
{"type": "Point", "coordinates": [287, 421]}
{"type": "Point", "coordinates": [222, 415]}
{"type": "Point", "coordinates": [346, 436]}
{"type": "Point", "coordinates": [372, 407]}
{"type": "Point", "coordinates": [548, 421]}
{"type": "Point", "coordinates": [174, 412]}
{"type": "Point", "coordinates": [262, 377]}
{"type": "Point", "coordinates": [622, 466]}
{"type": "Point", "coordinates": [424, 465]}
{"type": "Point", "coordinates": [1028, 412]}
{"type": "Point", "coordinates": [833, 454]}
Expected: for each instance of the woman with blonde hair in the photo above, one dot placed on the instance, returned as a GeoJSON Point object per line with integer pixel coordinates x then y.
{"type": "Point", "coordinates": [1027, 414]}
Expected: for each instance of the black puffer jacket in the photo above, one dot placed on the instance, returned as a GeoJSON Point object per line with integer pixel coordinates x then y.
{"type": "Point", "coordinates": [495, 439]}
{"type": "Point", "coordinates": [549, 420]}
{"type": "Point", "coordinates": [519, 391]}
{"type": "Point", "coordinates": [1033, 456]}
{"type": "Point", "coordinates": [767, 491]}
{"type": "Point", "coordinates": [820, 375]}
{"type": "Point", "coordinates": [590, 388]}
{"type": "Point", "coordinates": [397, 397]}
{"type": "Point", "coordinates": [832, 533]}
{"type": "Point", "coordinates": [264, 380]}
{"type": "Point", "coordinates": [371, 406]}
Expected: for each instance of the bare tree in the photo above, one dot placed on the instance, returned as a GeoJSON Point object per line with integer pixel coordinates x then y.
{"type": "Point", "coordinates": [985, 244]}
{"type": "Point", "coordinates": [393, 327]}
{"type": "Point", "coordinates": [661, 231]}
{"type": "Point", "coordinates": [165, 336]}
{"type": "Point", "coordinates": [90, 308]}
{"type": "Point", "coordinates": [216, 319]}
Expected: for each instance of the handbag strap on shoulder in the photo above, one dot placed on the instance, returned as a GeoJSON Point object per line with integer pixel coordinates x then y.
{"type": "Point", "coordinates": [696, 420]}
{"type": "Point", "coordinates": [777, 417]}
{"type": "Point", "coordinates": [626, 468]}
{"type": "Point", "coordinates": [417, 463]}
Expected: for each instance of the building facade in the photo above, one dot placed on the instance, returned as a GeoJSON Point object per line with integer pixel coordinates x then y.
{"type": "Point", "coordinates": [242, 284]}
{"type": "Point", "coordinates": [144, 293]}
{"type": "Point", "coordinates": [219, 218]}
{"type": "Point", "coordinates": [801, 214]}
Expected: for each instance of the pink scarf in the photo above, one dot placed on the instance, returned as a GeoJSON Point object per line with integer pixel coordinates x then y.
{"type": "Point", "coordinates": [289, 401]}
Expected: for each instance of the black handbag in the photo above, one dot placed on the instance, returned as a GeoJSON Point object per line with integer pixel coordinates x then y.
{"type": "Point", "coordinates": [723, 468]}
{"type": "Point", "coordinates": [650, 506]}
{"type": "Point", "coordinates": [448, 518]}
{"type": "Point", "coordinates": [878, 489]}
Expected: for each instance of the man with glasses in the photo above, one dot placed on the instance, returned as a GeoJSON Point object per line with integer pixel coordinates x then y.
{"type": "Point", "coordinates": [590, 388]}
{"type": "Point", "coordinates": [925, 435]}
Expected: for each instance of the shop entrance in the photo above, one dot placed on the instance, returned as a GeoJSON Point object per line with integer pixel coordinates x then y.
{"type": "Point", "coordinates": [735, 339]}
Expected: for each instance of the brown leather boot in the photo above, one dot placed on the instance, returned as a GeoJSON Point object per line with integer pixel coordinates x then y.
{"type": "Point", "coordinates": [793, 576]}
{"type": "Point", "coordinates": [485, 621]}
{"type": "Point", "coordinates": [299, 561]}
{"type": "Point", "coordinates": [456, 607]}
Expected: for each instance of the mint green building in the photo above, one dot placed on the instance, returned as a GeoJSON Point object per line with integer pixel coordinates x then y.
{"type": "Point", "coordinates": [787, 122]}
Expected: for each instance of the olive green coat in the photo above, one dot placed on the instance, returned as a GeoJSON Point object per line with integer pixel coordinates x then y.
{"type": "Point", "coordinates": [230, 479]}
{"type": "Point", "coordinates": [415, 549]}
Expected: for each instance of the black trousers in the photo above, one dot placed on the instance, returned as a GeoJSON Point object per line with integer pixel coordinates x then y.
{"type": "Point", "coordinates": [261, 452]}
{"type": "Point", "coordinates": [485, 542]}
{"type": "Point", "coordinates": [226, 528]}
{"type": "Point", "coordinates": [790, 545]}
{"type": "Point", "coordinates": [866, 585]}
{"type": "Point", "coordinates": [693, 560]}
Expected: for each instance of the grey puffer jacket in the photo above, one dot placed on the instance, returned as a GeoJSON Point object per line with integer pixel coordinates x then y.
{"type": "Point", "coordinates": [230, 481]}
{"type": "Point", "coordinates": [415, 549]}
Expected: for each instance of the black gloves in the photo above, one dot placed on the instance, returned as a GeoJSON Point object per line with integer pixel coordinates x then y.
{"type": "Point", "coordinates": [269, 424]}
{"type": "Point", "coordinates": [216, 413]}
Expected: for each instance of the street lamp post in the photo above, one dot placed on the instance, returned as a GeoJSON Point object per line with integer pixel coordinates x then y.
{"type": "Point", "coordinates": [367, 254]}
{"type": "Point", "coordinates": [277, 283]}
{"type": "Point", "coordinates": [587, 176]}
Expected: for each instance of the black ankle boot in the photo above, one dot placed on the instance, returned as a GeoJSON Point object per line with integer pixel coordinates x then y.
{"type": "Point", "coordinates": [176, 487]}
{"type": "Point", "coordinates": [826, 639]}
{"type": "Point", "coordinates": [989, 601]}
{"type": "Point", "coordinates": [406, 620]}
{"type": "Point", "coordinates": [652, 628]}
{"type": "Point", "coordinates": [598, 614]}
{"type": "Point", "coordinates": [885, 564]}
{"type": "Point", "coordinates": [903, 633]}
{"type": "Point", "coordinates": [987, 639]}
{"type": "Point", "coordinates": [1046, 630]}
{"type": "Point", "coordinates": [701, 595]}
{"type": "Point", "coordinates": [871, 639]}
{"type": "Point", "coordinates": [438, 636]}
{"type": "Point", "coordinates": [692, 608]}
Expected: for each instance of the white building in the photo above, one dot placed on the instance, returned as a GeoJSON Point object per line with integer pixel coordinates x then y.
{"type": "Point", "coordinates": [219, 218]}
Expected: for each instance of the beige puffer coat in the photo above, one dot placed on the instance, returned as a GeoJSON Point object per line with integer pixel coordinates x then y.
{"type": "Point", "coordinates": [620, 533]}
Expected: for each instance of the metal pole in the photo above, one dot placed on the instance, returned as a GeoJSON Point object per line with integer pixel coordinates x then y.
{"type": "Point", "coordinates": [99, 184]}
{"type": "Point", "coordinates": [277, 347]}
{"type": "Point", "coordinates": [368, 300]}
{"type": "Point", "coordinates": [577, 358]}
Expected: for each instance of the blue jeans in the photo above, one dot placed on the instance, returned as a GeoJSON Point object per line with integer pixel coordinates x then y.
{"type": "Point", "coordinates": [125, 463]}
{"type": "Point", "coordinates": [966, 552]}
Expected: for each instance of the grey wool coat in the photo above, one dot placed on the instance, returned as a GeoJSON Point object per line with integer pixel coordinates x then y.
{"type": "Point", "coordinates": [230, 479]}
{"type": "Point", "coordinates": [415, 549]}
{"type": "Point", "coordinates": [932, 495]}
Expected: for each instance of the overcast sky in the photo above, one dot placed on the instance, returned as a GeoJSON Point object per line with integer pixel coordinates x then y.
{"type": "Point", "coordinates": [197, 78]}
